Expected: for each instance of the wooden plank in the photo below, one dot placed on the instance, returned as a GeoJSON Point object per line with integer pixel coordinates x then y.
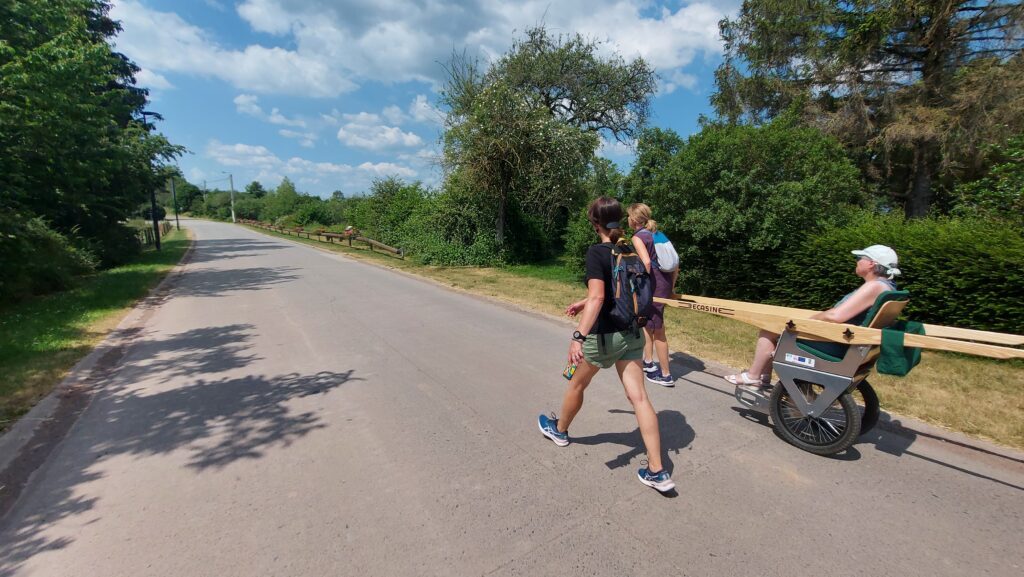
{"type": "Point", "coordinates": [795, 313]}
{"type": "Point", "coordinates": [776, 322]}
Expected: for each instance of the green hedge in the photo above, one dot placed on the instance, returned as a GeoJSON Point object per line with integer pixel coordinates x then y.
{"type": "Point", "coordinates": [960, 272]}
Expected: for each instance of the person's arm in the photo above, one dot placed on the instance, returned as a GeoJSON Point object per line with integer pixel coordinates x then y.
{"type": "Point", "coordinates": [641, 250]}
{"type": "Point", "coordinates": [591, 309]}
{"type": "Point", "coordinates": [860, 301]}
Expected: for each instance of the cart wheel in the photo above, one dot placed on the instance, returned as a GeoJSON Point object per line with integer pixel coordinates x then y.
{"type": "Point", "coordinates": [871, 410]}
{"type": "Point", "coordinates": [832, 432]}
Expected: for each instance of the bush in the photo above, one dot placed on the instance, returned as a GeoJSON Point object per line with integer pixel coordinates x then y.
{"type": "Point", "coordinates": [147, 213]}
{"type": "Point", "coordinates": [314, 213]}
{"type": "Point", "coordinates": [36, 259]}
{"type": "Point", "coordinates": [960, 272]}
{"type": "Point", "coordinates": [579, 235]}
{"type": "Point", "coordinates": [113, 245]}
{"type": "Point", "coordinates": [732, 198]}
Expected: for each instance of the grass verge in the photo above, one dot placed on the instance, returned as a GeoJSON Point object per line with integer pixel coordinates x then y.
{"type": "Point", "coordinates": [973, 395]}
{"type": "Point", "coordinates": [42, 338]}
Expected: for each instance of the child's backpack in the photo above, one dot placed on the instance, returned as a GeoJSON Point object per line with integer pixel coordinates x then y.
{"type": "Point", "coordinates": [634, 294]}
{"type": "Point", "coordinates": [668, 258]}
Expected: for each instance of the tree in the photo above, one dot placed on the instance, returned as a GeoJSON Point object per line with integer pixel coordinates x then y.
{"type": "Point", "coordinates": [1000, 194]}
{"type": "Point", "coordinates": [913, 88]}
{"type": "Point", "coordinates": [733, 197]}
{"type": "Point", "coordinates": [654, 150]}
{"type": "Point", "coordinates": [282, 202]}
{"type": "Point", "coordinates": [256, 189]}
{"type": "Point", "coordinates": [569, 76]}
{"type": "Point", "coordinates": [521, 135]}
{"type": "Point", "coordinates": [72, 148]}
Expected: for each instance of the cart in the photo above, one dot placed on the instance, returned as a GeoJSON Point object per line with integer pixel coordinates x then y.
{"type": "Point", "coordinates": [812, 404]}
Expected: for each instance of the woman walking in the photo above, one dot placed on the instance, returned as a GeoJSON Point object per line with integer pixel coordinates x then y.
{"type": "Point", "coordinates": [659, 372]}
{"type": "Point", "coordinates": [597, 344]}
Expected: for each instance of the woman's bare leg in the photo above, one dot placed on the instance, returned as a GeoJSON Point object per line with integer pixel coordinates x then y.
{"type": "Point", "coordinates": [632, 376]}
{"type": "Point", "coordinates": [763, 353]}
{"type": "Point", "coordinates": [573, 399]}
{"type": "Point", "coordinates": [661, 346]}
{"type": "Point", "coordinates": [648, 345]}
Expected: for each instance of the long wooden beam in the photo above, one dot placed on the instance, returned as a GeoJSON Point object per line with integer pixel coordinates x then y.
{"type": "Point", "coordinates": [795, 313]}
{"type": "Point", "coordinates": [776, 321]}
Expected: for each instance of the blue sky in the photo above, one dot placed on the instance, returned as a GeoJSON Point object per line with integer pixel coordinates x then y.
{"type": "Point", "coordinates": [336, 93]}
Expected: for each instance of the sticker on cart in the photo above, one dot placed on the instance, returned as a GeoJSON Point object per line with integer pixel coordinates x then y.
{"type": "Point", "coordinates": [798, 360]}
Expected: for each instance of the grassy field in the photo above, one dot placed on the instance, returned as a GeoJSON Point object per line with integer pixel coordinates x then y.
{"type": "Point", "coordinates": [41, 339]}
{"type": "Point", "coordinates": [980, 397]}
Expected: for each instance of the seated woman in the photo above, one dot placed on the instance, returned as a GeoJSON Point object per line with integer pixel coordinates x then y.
{"type": "Point", "coordinates": [876, 265]}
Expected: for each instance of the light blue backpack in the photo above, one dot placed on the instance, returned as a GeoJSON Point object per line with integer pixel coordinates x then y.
{"type": "Point", "coordinates": [668, 258]}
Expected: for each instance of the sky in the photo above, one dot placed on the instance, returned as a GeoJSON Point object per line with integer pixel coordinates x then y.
{"type": "Point", "coordinates": [336, 93]}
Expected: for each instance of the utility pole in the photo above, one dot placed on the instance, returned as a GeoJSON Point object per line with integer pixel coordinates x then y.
{"type": "Point", "coordinates": [204, 191]}
{"type": "Point", "coordinates": [152, 190]}
{"type": "Point", "coordinates": [231, 182]}
{"type": "Point", "coordinates": [152, 212]}
{"type": "Point", "coordinates": [174, 196]}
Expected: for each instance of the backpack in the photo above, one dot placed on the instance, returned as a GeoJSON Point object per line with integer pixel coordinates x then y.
{"type": "Point", "coordinates": [668, 258]}
{"type": "Point", "coordinates": [633, 291]}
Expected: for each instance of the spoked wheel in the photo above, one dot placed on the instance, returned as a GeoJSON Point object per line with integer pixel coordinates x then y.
{"type": "Point", "coordinates": [833, 431]}
{"type": "Point", "coordinates": [871, 408]}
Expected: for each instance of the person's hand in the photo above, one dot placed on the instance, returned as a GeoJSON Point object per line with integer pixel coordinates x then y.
{"type": "Point", "coordinates": [575, 352]}
{"type": "Point", "coordinates": [574, 309]}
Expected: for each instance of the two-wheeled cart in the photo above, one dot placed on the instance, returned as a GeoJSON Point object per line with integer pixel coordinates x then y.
{"type": "Point", "coordinates": [812, 404]}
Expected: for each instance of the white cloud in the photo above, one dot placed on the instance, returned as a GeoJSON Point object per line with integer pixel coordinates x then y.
{"type": "Point", "coordinates": [306, 139]}
{"type": "Point", "coordinates": [387, 169]}
{"type": "Point", "coordinates": [149, 79]}
{"type": "Point", "coordinates": [256, 162]}
{"type": "Point", "coordinates": [423, 111]}
{"type": "Point", "coordinates": [677, 79]}
{"type": "Point", "coordinates": [164, 42]}
{"type": "Point", "coordinates": [328, 47]}
{"type": "Point", "coordinates": [249, 104]}
{"type": "Point", "coordinates": [394, 115]}
{"type": "Point", "coordinates": [365, 130]}
{"type": "Point", "coordinates": [615, 148]}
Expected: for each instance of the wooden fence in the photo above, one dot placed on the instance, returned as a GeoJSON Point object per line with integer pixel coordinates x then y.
{"type": "Point", "coordinates": [146, 235]}
{"type": "Point", "coordinates": [328, 237]}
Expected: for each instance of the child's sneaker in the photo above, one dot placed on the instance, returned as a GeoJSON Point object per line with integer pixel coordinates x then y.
{"type": "Point", "coordinates": [660, 480]}
{"type": "Point", "coordinates": [660, 379]}
{"type": "Point", "coordinates": [651, 367]}
{"type": "Point", "coordinates": [549, 428]}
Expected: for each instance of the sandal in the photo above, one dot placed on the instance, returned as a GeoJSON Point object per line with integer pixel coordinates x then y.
{"type": "Point", "coordinates": [745, 379]}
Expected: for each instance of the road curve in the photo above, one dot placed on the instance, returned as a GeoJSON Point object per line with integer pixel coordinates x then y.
{"type": "Point", "coordinates": [291, 412]}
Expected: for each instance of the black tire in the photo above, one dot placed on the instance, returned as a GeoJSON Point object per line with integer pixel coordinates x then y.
{"type": "Point", "coordinates": [833, 432]}
{"type": "Point", "coordinates": [871, 407]}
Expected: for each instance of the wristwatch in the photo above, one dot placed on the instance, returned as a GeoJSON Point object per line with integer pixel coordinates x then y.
{"type": "Point", "coordinates": [578, 337]}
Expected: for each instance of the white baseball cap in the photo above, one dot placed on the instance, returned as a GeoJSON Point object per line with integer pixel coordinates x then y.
{"type": "Point", "coordinates": [883, 255]}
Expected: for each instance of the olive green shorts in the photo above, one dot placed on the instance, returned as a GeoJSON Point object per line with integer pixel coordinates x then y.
{"type": "Point", "coordinates": [604, 350]}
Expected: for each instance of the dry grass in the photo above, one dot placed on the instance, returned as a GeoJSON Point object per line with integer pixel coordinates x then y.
{"type": "Point", "coordinates": [980, 397]}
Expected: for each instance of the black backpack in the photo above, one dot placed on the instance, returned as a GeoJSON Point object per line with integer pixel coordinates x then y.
{"type": "Point", "coordinates": [633, 291]}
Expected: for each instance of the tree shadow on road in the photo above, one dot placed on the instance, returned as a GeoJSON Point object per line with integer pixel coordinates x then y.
{"type": "Point", "coordinates": [217, 419]}
{"type": "Point", "coordinates": [208, 282]}
{"type": "Point", "coordinates": [227, 249]}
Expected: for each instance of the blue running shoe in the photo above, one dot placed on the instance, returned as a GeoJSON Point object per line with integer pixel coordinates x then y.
{"type": "Point", "coordinates": [660, 481]}
{"type": "Point", "coordinates": [549, 427]}
{"type": "Point", "coordinates": [652, 367]}
{"type": "Point", "coordinates": [660, 379]}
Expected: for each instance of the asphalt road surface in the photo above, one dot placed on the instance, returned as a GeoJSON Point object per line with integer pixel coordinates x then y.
{"type": "Point", "coordinates": [285, 411]}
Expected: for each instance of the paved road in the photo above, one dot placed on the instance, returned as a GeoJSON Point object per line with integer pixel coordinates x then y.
{"type": "Point", "coordinates": [291, 412]}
